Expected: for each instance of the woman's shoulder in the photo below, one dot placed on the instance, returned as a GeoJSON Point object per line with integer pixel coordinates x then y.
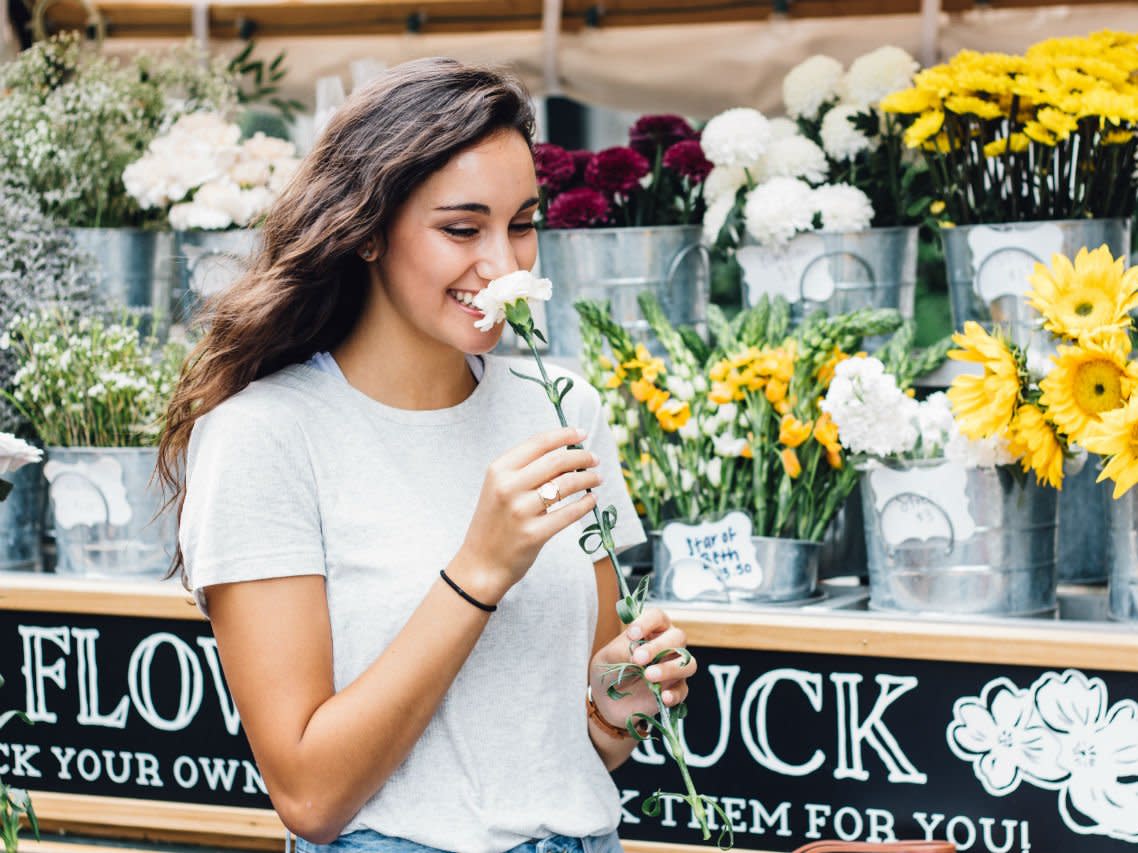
{"type": "Point", "coordinates": [282, 401]}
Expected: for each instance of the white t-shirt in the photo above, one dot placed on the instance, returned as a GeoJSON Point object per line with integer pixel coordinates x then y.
{"type": "Point", "coordinates": [301, 474]}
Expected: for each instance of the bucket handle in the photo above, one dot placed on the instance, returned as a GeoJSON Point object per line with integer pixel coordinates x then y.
{"type": "Point", "coordinates": [856, 258]}
{"type": "Point", "coordinates": [679, 257]}
{"type": "Point", "coordinates": [1003, 250]}
{"type": "Point", "coordinates": [890, 550]}
{"type": "Point", "coordinates": [98, 490]}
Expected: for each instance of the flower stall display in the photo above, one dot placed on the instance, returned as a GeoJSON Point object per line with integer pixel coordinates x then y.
{"type": "Point", "coordinates": [214, 188]}
{"type": "Point", "coordinates": [727, 438]}
{"type": "Point", "coordinates": [622, 220]}
{"type": "Point", "coordinates": [95, 393]}
{"type": "Point", "coordinates": [74, 119]}
{"type": "Point", "coordinates": [822, 209]}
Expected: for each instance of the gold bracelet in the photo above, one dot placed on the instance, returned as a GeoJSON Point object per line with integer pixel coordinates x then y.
{"type": "Point", "coordinates": [607, 727]}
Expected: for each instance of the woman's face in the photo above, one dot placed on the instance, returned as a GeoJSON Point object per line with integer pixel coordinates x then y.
{"type": "Point", "coordinates": [470, 222]}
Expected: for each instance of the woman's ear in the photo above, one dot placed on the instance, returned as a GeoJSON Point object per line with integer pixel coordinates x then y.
{"type": "Point", "coordinates": [369, 251]}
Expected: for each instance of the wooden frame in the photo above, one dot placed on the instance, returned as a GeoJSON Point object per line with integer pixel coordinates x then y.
{"type": "Point", "coordinates": [1096, 646]}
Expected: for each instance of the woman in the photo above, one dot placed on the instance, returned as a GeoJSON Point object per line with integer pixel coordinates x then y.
{"type": "Point", "coordinates": [406, 624]}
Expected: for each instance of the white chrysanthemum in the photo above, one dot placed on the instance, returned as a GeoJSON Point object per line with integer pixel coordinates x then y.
{"type": "Point", "coordinates": [715, 216]}
{"type": "Point", "coordinates": [810, 84]}
{"type": "Point", "coordinates": [978, 453]}
{"type": "Point", "coordinates": [493, 299]}
{"type": "Point", "coordinates": [736, 137]}
{"type": "Point", "coordinates": [843, 208]}
{"type": "Point", "coordinates": [781, 128]}
{"type": "Point", "coordinates": [796, 157]}
{"type": "Point", "coordinates": [872, 414]}
{"type": "Point", "coordinates": [840, 138]}
{"type": "Point", "coordinates": [779, 209]}
{"type": "Point", "coordinates": [873, 76]}
{"type": "Point", "coordinates": [935, 424]}
{"type": "Point", "coordinates": [15, 453]}
{"type": "Point", "coordinates": [724, 180]}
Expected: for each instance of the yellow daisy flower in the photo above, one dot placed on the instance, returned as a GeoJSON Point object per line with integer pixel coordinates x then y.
{"type": "Point", "coordinates": [909, 101]}
{"type": "Point", "coordinates": [1057, 121]}
{"type": "Point", "coordinates": [983, 405]}
{"type": "Point", "coordinates": [972, 105]}
{"type": "Point", "coordinates": [1117, 137]}
{"type": "Point", "coordinates": [1087, 380]}
{"type": "Point", "coordinates": [1115, 436]}
{"type": "Point", "coordinates": [1033, 441]}
{"type": "Point", "coordinates": [997, 147]}
{"type": "Point", "coordinates": [924, 128]}
{"type": "Point", "coordinates": [1089, 298]}
{"type": "Point", "coordinates": [1035, 131]}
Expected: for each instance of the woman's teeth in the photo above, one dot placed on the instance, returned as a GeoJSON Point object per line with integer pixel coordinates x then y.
{"type": "Point", "coordinates": [463, 296]}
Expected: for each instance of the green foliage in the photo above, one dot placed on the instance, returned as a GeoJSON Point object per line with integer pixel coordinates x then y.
{"type": "Point", "coordinates": [259, 82]}
{"type": "Point", "coordinates": [14, 802]}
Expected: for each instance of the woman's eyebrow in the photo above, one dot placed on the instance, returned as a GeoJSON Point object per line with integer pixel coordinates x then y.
{"type": "Point", "coordinates": [478, 207]}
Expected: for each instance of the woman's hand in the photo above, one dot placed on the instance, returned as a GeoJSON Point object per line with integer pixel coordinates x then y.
{"type": "Point", "coordinates": [510, 523]}
{"type": "Point", "coordinates": [641, 643]}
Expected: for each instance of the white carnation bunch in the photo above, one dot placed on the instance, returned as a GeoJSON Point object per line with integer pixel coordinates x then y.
{"type": "Point", "coordinates": [840, 139]}
{"type": "Point", "coordinates": [811, 84]}
{"type": "Point", "coordinates": [736, 137]}
{"type": "Point", "coordinates": [795, 157]}
{"type": "Point", "coordinates": [977, 453]}
{"type": "Point", "coordinates": [843, 208]}
{"type": "Point", "coordinates": [778, 209]}
{"type": "Point", "coordinates": [873, 76]}
{"type": "Point", "coordinates": [935, 424]}
{"type": "Point", "coordinates": [873, 416]}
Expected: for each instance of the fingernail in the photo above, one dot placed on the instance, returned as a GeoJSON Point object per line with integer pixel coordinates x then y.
{"type": "Point", "coordinates": [581, 433]}
{"type": "Point", "coordinates": [635, 633]}
{"type": "Point", "coordinates": [652, 673]}
{"type": "Point", "coordinates": [640, 656]}
{"type": "Point", "coordinates": [596, 459]}
{"type": "Point", "coordinates": [667, 697]}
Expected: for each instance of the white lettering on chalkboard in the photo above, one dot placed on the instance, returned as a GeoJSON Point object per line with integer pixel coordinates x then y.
{"type": "Point", "coordinates": [88, 679]}
{"type": "Point", "coordinates": [724, 680]}
{"type": "Point", "coordinates": [228, 706]}
{"type": "Point", "coordinates": [189, 670]}
{"type": "Point", "coordinates": [757, 741]}
{"type": "Point", "coordinates": [853, 731]}
{"type": "Point", "coordinates": [36, 673]}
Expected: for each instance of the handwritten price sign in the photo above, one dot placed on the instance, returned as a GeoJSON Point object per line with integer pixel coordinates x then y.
{"type": "Point", "coordinates": [714, 556]}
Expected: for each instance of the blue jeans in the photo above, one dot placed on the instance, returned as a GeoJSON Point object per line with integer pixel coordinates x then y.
{"type": "Point", "coordinates": [368, 841]}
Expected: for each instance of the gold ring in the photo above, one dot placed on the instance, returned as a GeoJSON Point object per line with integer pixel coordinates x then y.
{"type": "Point", "coordinates": [549, 494]}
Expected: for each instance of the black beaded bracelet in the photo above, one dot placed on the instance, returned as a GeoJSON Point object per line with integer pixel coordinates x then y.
{"type": "Point", "coordinates": [489, 608]}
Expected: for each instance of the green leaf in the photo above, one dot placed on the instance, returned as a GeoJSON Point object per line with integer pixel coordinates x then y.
{"type": "Point", "coordinates": [624, 610]}
{"type": "Point", "coordinates": [651, 805]}
{"type": "Point", "coordinates": [527, 376]}
{"type": "Point", "coordinates": [537, 333]}
{"type": "Point", "coordinates": [679, 711]}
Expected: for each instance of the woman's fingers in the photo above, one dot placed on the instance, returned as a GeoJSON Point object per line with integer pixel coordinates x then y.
{"type": "Point", "coordinates": [554, 464]}
{"type": "Point", "coordinates": [538, 446]}
{"type": "Point", "coordinates": [646, 653]}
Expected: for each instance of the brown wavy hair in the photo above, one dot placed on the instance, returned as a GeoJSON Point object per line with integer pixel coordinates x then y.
{"type": "Point", "coordinates": [307, 285]}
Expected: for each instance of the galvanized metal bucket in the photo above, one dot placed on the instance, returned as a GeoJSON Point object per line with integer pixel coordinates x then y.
{"type": "Point", "coordinates": [836, 272]}
{"type": "Point", "coordinates": [208, 263]}
{"type": "Point", "coordinates": [843, 546]}
{"type": "Point", "coordinates": [136, 267]}
{"type": "Point", "coordinates": [107, 514]}
{"type": "Point", "coordinates": [783, 571]}
{"type": "Point", "coordinates": [988, 268]}
{"type": "Point", "coordinates": [616, 265]}
{"type": "Point", "coordinates": [943, 538]}
{"type": "Point", "coordinates": [21, 520]}
{"type": "Point", "coordinates": [1122, 590]}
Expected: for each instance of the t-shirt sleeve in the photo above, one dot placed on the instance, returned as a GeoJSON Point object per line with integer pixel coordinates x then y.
{"type": "Point", "coordinates": [613, 490]}
{"type": "Point", "coordinates": [251, 509]}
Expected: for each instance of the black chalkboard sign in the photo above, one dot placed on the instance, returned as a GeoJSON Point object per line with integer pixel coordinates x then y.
{"type": "Point", "coordinates": [795, 746]}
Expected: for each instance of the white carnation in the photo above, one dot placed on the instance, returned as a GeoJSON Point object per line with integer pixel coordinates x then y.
{"type": "Point", "coordinates": [189, 215]}
{"type": "Point", "coordinates": [781, 128]}
{"type": "Point", "coordinates": [935, 423]}
{"type": "Point", "coordinates": [267, 148]}
{"type": "Point", "coordinates": [811, 84]}
{"type": "Point", "coordinates": [873, 76]}
{"type": "Point", "coordinates": [724, 181]}
{"type": "Point", "coordinates": [283, 170]}
{"type": "Point", "coordinates": [250, 173]}
{"type": "Point", "coordinates": [147, 181]}
{"type": "Point", "coordinates": [796, 157]}
{"type": "Point", "coordinates": [977, 453]}
{"type": "Point", "coordinates": [736, 137]}
{"type": "Point", "coordinates": [872, 414]}
{"type": "Point", "coordinates": [15, 453]}
{"type": "Point", "coordinates": [493, 299]}
{"type": "Point", "coordinates": [779, 209]}
{"type": "Point", "coordinates": [843, 208]}
{"type": "Point", "coordinates": [715, 216]}
{"type": "Point", "coordinates": [209, 129]}
{"type": "Point", "coordinates": [840, 138]}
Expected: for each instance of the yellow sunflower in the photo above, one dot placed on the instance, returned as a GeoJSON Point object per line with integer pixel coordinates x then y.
{"type": "Point", "coordinates": [1087, 380]}
{"type": "Point", "coordinates": [1092, 297]}
{"type": "Point", "coordinates": [1116, 437]}
{"type": "Point", "coordinates": [1032, 440]}
{"type": "Point", "coordinates": [984, 405]}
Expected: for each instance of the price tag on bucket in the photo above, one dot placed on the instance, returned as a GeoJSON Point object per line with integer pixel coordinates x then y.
{"type": "Point", "coordinates": [711, 556]}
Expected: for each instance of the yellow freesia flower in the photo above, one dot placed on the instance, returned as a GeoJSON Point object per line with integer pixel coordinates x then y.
{"type": "Point", "coordinates": [984, 405]}
{"type": "Point", "coordinates": [1087, 380]}
{"type": "Point", "coordinates": [673, 414]}
{"type": "Point", "coordinates": [1033, 441]}
{"type": "Point", "coordinates": [825, 374]}
{"type": "Point", "coordinates": [642, 390]}
{"type": "Point", "coordinates": [826, 434]}
{"type": "Point", "coordinates": [719, 370]}
{"type": "Point", "coordinates": [650, 368]}
{"type": "Point", "coordinates": [793, 432]}
{"type": "Point", "coordinates": [724, 392]}
{"type": "Point", "coordinates": [1090, 298]}
{"type": "Point", "coordinates": [658, 398]}
{"type": "Point", "coordinates": [1116, 438]}
{"type": "Point", "coordinates": [924, 128]}
{"type": "Point", "coordinates": [775, 391]}
{"type": "Point", "coordinates": [790, 463]}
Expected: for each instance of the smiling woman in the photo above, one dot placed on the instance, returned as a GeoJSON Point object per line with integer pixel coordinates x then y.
{"type": "Point", "coordinates": [362, 514]}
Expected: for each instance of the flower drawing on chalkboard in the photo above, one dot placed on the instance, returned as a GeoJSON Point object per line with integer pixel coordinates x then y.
{"type": "Point", "coordinates": [1060, 734]}
{"type": "Point", "coordinates": [1099, 751]}
{"type": "Point", "coordinates": [1001, 734]}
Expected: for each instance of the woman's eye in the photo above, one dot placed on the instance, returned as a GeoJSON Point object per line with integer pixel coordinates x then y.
{"type": "Point", "coordinates": [460, 232]}
{"type": "Point", "coordinates": [522, 227]}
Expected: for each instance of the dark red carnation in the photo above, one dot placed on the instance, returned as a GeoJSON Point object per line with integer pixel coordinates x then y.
{"type": "Point", "coordinates": [686, 158]}
{"type": "Point", "coordinates": [658, 130]}
{"type": "Point", "coordinates": [616, 170]}
{"type": "Point", "coordinates": [577, 208]}
{"type": "Point", "coordinates": [554, 165]}
{"type": "Point", "coordinates": [581, 161]}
